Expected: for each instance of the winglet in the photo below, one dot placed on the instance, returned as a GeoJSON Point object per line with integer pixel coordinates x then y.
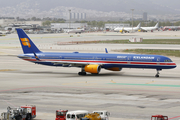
{"type": "Point", "coordinates": [106, 50]}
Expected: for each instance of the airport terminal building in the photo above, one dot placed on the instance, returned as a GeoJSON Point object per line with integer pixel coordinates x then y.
{"type": "Point", "coordinates": [63, 26]}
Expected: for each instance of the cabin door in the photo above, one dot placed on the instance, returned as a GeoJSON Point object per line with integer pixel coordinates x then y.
{"type": "Point", "coordinates": [158, 59]}
{"type": "Point", "coordinates": [129, 58]}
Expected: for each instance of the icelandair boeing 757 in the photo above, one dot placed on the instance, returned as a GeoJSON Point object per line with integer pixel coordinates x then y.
{"type": "Point", "coordinates": [91, 62]}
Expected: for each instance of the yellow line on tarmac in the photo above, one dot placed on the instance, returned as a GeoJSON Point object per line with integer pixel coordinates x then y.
{"type": "Point", "coordinates": [35, 37]}
{"type": "Point", "coordinates": [113, 81]}
{"type": "Point", "coordinates": [84, 82]}
{"type": "Point", "coordinates": [4, 47]}
{"type": "Point", "coordinates": [150, 82]}
{"type": "Point", "coordinates": [4, 70]}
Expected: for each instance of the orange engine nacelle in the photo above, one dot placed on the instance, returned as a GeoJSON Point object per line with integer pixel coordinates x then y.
{"type": "Point", "coordinates": [92, 68]}
{"type": "Point", "coordinates": [121, 31]}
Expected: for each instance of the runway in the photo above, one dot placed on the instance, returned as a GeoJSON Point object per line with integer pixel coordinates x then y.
{"type": "Point", "coordinates": [129, 94]}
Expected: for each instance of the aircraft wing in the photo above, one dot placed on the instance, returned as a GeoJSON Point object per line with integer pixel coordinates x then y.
{"type": "Point", "coordinates": [75, 63]}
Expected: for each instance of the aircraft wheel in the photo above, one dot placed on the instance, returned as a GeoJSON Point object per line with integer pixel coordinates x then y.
{"type": "Point", "coordinates": [156, 75]}
{"type": "Point", "coordinates": [19, 117]}
{"type": "Point", "coordinates": [82, 73]}
{"type": "Point", "coordinates": [28, 117]}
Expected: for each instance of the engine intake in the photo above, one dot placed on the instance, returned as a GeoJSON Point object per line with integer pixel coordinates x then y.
{"type": "Point", "coordinates": [92, 68]}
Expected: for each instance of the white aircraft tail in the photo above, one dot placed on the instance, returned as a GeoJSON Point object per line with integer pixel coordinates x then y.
{"type": "Point", "coordinates": [139, 25]}
{"type": "Point", "coordinates": [157, 25]}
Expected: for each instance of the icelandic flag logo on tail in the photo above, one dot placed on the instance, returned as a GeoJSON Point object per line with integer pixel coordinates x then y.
{"type": "Point", "coordinates": [25, 42]}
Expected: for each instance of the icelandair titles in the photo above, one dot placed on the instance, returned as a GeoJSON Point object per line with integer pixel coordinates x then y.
{"type": "Point", "coordinates": [142, 57]}
{"type": "Point", "coordinates": [137, 57]}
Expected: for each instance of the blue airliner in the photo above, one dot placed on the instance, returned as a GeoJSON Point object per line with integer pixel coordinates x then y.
{"type": "Point", "coordinates": [91, 62]}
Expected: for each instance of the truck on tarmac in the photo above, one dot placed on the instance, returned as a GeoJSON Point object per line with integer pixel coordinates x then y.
{"type": "Point", "coordinates": [19, 113]}
{"type": "Point", "coordinates": [103, 114]}
{"type": "Point", "coordinates": [82, 115]}
{"type": "Point", "coordinates": [61, 114]}
{"type": "Point", "coordinates": [92, 116]}
{"type": "Point", "coordinates": [76, 115]}
{"type": "Point", "coordinates": [159, 117]}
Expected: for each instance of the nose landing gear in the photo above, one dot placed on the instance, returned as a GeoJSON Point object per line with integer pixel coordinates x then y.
{"type": "Point", "coordinates": [157, 74]}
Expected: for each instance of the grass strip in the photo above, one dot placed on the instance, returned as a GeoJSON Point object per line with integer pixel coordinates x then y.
{"type": "Point", "coordinates": [145, 41]}
{"type": "Point", "coordinates": [175, 53]}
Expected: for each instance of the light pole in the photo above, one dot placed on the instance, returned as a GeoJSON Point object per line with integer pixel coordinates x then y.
{"type": "Point", "coordinates": [132, 19]}
{"type": "Point", "coordinates": [69, 19]}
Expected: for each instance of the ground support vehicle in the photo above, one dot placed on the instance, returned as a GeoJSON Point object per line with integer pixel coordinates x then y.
{"type": "Point", "coordinates": [103, 113]}
{"type": "Point", "coordinates": [159, 117]}
{"type": "Point", "coordinates": [76, 115]}
{"type": "Point", "coordinates": [61, 114]}
{"type": "Point", "coordinates": [19, 113]}
{"type": "Point", "coordinates": [92, 116]}
{"type": "Point", "coordinates": [30, 111]}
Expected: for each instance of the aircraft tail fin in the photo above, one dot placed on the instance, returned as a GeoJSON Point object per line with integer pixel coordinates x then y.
{"type": "Point", "coordinates": [27, 45]}
{"type": "Point", "coordinates": [157, 25]}
{"type": "Point", "coordinates": [139, 25]}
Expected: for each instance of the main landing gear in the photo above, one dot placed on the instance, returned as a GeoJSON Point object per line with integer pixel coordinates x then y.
{"type": "Point", "coordinates": [82, 72]}
{"type": "Point", "coordinates": [157, 74]}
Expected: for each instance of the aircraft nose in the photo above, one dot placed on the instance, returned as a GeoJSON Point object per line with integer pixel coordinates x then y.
{"type": "Point", "coordinates": [175, 65]}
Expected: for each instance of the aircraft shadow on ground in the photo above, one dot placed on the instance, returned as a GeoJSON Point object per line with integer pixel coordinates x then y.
{"type": "Point", "coordinates": [115, 74]}
{"type": "Point", "coordinates": [120, 35]}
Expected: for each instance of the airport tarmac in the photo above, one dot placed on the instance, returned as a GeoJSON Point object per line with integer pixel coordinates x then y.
{"type": "Point", "coordinates": [129, 94]}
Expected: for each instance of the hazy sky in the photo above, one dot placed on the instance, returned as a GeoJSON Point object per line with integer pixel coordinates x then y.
{"type": "Point", "coordinates": [150, 6]}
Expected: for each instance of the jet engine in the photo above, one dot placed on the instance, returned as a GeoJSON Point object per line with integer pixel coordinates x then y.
{"type": "Point", "coordinates": [121, 31]}
{"type": "Point", "coordinates": [92, 68]}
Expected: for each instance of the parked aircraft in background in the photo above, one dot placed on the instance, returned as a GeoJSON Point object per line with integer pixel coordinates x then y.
{"type": "Point", "coordinates": [173, 28]}
{"type": "Point", "coordinates": [91, 62]}
{"type": "Point", "coordinates": [127, 29]}
{"type": "Point", "coordinates": [75, 31]}
{"type": "Point", "coordinates": [146, 29]}
{"type": "Point", "coordinates": [3, 33]}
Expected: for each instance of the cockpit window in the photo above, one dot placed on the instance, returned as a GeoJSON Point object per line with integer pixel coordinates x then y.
{"type": "Point", "coordinates": [168, 60]}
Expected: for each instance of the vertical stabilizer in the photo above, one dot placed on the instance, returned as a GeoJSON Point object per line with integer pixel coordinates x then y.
{"type": "Point", "coordinates": [139, 25]}
{"type": "Point", "coordinates": [157, 25]}
{"type": "Point", "coordinates": [27, 45]}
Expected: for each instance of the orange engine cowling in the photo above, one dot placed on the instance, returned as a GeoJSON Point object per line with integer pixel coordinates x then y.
{"type": "Point", "coordinates": [121, 31]}
{"type": "Point", "coordinates": [92, 68]}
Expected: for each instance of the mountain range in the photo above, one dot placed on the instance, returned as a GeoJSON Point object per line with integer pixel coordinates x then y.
{"type": "Point", "coordinates": [57, 7]}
